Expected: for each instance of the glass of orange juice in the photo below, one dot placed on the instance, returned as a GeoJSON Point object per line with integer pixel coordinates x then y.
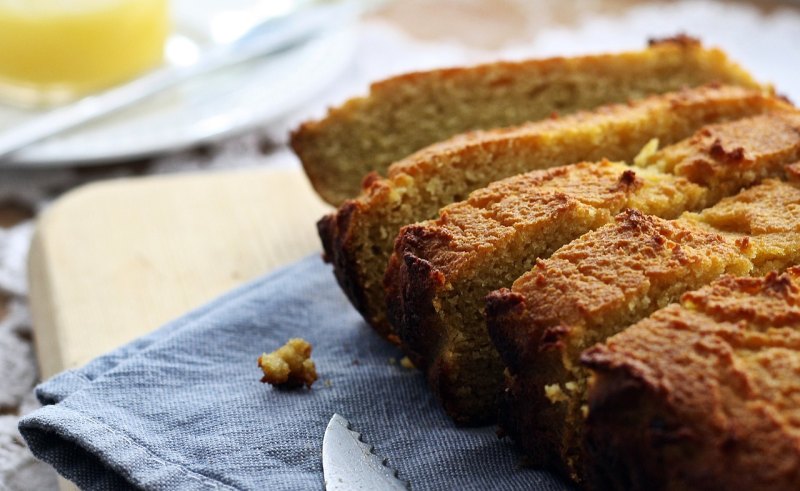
{"type": "Point", "coordinates": [55, 51]}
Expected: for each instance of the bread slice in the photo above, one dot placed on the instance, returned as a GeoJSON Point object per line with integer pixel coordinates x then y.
{"type": "Point", "coordinates": [702, 395]}
{"type": "Point", "coordinates": [404, 114]}
{"type": "Point", "coordinates": [767, 216]}
{"type": "Point", "coordinates": [442, 269]}
{"type": "Point", "coordinates": [608, 279]}
{"type": "Point", "coordinates": [359, 236]}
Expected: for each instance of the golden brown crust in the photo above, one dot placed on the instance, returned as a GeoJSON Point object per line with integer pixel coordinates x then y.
{"type": "Point", "coordinates": [492, 237]}
{"type": "Point", "coordinates": [730, 156]}
{"type": "Point", "coordinates": [765, 219]}
{"type": "Point", "coordinates": [593, 277]}
{"type": "Point", "coordinates": [335, 231]}
{"type": "Point", "coordinates": [702, 394]}
{"type": "Point", "coordinates": [608, 279]}
{"type": "Point", "coordinates": [605, 278]}
{"type": "Point", "coordinates": [359, 237]}
{"type": "Point", "coordinates": [489, 239]}
{"type": "Point", "coordinates": [406, 113]}
{"type": "Point", "coordinates": [414, 305]}
{"type": "Point", "coordinates": [466, 230]}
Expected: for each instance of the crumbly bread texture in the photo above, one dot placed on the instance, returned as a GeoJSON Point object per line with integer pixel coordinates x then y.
{"type": "Point", "coordinates": [607, 280]}
{"type": "Point", "coordinates": [702, 395]}
{"type": "Point", "coordinates": [358, 238]}
{"type": "Point", "coordinates": [289, 366]}
{"type": "Point", "coordinates": [768, 216]}
{"type": "Point", "coordinates": [404, 114]}
{"type": "Point", "coordinates": [442, 269]}
{"type": "Point", "coordinates": [725, 158]}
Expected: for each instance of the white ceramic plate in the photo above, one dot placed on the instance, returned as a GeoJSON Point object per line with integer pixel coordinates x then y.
{"type": "Point", "coordinates": [205, 109]}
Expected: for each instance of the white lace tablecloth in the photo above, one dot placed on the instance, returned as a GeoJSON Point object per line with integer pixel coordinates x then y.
{"type": "Point", "coordinates": [764, 40]}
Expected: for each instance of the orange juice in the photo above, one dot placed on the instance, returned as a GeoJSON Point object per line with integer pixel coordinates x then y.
{"type": "Point", "coordinates": [53, 51]}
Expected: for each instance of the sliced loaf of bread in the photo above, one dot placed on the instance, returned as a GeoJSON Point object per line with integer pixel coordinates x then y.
{"type": "Point", "coordinates": [601, 283]}
{"type": "Point", "coordinates": [442, 269]}
{"type": "Point", "coordinates": [702, 395]}
{"type": "Point", "coordinates": [358, 238]}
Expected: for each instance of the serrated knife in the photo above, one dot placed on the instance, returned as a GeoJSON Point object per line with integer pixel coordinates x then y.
{"type": "Point", "coordinates": [350, 464]}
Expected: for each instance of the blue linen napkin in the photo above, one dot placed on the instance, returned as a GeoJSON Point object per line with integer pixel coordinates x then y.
{"type": "Point", "coordinates": [183, 408]}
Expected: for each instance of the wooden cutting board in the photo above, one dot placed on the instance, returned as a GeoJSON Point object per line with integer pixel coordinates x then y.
{"type": "Point", "coordinates": [115, 260]}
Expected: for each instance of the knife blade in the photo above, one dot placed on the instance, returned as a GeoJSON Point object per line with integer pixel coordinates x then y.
{"type": "Point", "coordinates": [350, 464]}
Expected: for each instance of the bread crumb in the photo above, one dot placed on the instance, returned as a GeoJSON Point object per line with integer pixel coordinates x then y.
{"type": "Point", "coordinates": [289, 366]}
{"type": "Point", "coordinates": [554, 393]}
{"type": "Point", "coordinates": [392, 361]}
{"type": "Point", "coordinates": [406, 362]}
{"type": "Point", "coordinates": [646, 152]}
